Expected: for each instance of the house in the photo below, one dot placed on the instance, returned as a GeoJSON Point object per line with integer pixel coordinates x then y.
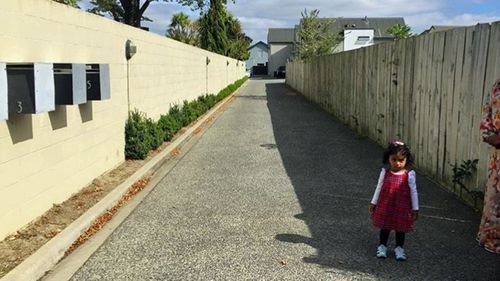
{"type": "Point", "coordinates": [437, 28]}
{"type": "Point", "coordinates": [353, 33]}
{"type": "Point", "coordinates": [258, 58]}
{"type": "Point", "coordinates": [280, 42]}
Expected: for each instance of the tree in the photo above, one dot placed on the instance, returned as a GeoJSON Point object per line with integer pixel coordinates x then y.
{"type": "Point", "coordinates": [72, 3]}
{"type": "Point", "coordinates": [238, 41]}
{"type": "Point", "coordinates": [198, 4]}
{"type": "Point", "coordinates": [315, 37]}
{"type": "Point", "coordinates": [182, 29]}
{"type": "Point", "coordinates": [213, 33]}
{"type": "Point", "coordinates": [400, 31]}
{"type": "Point", "coordinates": [131, 12]}
{"type": "Point", "coordinates": [126, 11]}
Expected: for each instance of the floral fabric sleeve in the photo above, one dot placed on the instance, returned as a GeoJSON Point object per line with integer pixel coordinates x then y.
{"type": "Point", "coordinates": [490, 121]}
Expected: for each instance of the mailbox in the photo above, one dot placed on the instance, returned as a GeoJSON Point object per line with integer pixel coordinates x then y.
{"type": "Point", "coordinates": [98, 86]}
{"type": "Point", "coordinates": [30, 88]}
{"type": "Point", "coordinates": [4, 108]}
{"type": "Point", "coordinates": [70, 84]}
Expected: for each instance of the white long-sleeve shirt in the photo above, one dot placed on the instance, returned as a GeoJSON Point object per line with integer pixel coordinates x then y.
{"type": "Point", "coordinates": [411, 182]}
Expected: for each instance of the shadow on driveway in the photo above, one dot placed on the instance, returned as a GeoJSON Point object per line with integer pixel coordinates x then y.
{"type": "Point", "coordinates": [334, 174]}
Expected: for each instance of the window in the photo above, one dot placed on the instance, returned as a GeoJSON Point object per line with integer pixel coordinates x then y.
{"type": "Point", "coordinates": [362, 40]}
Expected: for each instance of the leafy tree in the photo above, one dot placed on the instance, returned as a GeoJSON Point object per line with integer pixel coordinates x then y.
{"type": "Point", "coordinates": [72, 3]}
{"type": "Point", "coordinates": [198, 4]}
{"type": "Point", "coordinates": [131, 12]}
{"type": "Point", "coordinates": [213, 33]}
{"type": "Point", "coordinates": [238, 41]}
{"type": "Point", "coordinates": [315, 38]}
{"type": "Point", "coordinates": [126, 11]}
{"type": "Point", "coordinates": [400, 31]}
{"type": "Point", "coordinates": [182, 29]}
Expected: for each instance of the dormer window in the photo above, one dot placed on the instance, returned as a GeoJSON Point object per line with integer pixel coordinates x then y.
{"type": "Point", "coordinates": [362, 40]}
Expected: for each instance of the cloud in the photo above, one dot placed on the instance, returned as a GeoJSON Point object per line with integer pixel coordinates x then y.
{"type": "Point", "coordinates": [421, 22]}
{"type": "Point", "coordinates": [256, 28]}
{"type": "Point", "coordinates": [289, 12]}
{"type": "Point", "coordinates": [257, 16]}
{"type": "Point", "coordinates": [340, 8]}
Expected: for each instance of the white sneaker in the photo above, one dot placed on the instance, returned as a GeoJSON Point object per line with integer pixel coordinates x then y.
{"type": "Point", "coordinates": [381, 251]}
{"type": "Point", "coordinates": [400, 254]}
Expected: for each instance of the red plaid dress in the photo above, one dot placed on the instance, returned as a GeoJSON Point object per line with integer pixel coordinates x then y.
{"type": "Point", "coordinates": [393, 210]}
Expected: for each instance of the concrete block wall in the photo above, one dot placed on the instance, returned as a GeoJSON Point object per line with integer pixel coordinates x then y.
{"type": "Point", "coordinates": [46, 157]}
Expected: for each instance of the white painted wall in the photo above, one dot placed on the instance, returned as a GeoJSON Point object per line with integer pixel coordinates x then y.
{"type": "Point", "coordinates": [278, 56]}
{"type": "Point", "coordinates": [355, 38]}
{"type": "Point", "coordinates": [46, 157]}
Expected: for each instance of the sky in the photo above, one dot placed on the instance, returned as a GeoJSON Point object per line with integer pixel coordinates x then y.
{"type": "Point", "coordinates": [257, 16]}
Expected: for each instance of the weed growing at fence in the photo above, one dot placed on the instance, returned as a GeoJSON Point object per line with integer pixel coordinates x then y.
{"type": "Point", "coordinates": [461, 173]}
{"type": "Point", "coordinates": [142, 134]}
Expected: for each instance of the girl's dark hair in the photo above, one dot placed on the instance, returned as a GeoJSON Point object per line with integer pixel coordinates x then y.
{"type": "Point", "coordinates": [395, 147]}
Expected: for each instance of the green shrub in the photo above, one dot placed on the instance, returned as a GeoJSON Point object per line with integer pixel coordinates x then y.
{"type": "Point", "coordinates": [143, 134]}
{"type": "Point", "coordinates": [137, 137]}
{"type": "Point", "coordinates": [169, 125]}
{"type": "Point", "coordinates": [155, 132]}
{"type": "Point", "coordinates": [211, 100]}
{"type": "Point", "coordinates": [186, 113]}
{"type": "Point", "coordinates": [175, 112]}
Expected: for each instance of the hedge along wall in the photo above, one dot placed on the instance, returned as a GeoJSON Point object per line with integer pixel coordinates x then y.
{"type": "Point", "coordinates": [426, 90]}
{"type": "Point", "coordinates": [46, 157]}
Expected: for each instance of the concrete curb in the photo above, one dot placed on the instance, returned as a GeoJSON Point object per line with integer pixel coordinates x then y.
{"type": "Point", "coordinates": [45, 258]}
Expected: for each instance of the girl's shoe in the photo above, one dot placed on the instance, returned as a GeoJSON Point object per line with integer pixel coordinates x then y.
{"type": "Point", "coordinates": [400, 254]}
{"type": "Point", "coordinates": [381, 251]}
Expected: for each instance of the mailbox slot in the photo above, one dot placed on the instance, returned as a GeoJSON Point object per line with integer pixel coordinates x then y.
{"type": "Point", "coordinates": [30, 88]}
{"type": "Point", "coordinates": [70, 83]}
{"type": "Point", "coordinates": [98, 87]}
{"type": "Point", "coordinates": [4, 106]}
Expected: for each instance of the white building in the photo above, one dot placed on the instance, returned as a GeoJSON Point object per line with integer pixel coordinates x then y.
{"type": "Point", "coordinates": [356, 38]}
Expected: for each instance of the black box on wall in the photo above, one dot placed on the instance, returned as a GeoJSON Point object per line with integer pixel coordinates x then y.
{"type": "Point", "coordinates": [98, 84]}
{"type": "Point", "coordinates": [70, 84]}
{"type": "Point", "coordinates": [30, 88]}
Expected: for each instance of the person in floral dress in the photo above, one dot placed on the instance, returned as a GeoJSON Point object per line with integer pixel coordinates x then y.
{"type": "Point", "coordinates": [489, 229]}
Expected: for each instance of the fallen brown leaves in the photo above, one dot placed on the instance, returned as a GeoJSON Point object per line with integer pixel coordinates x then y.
{"type": "Point", "coordinates": [15, 248]}
{"type": "Point", "coordinates": [175, 152]}
{"type": "Point", "coordinates": [197, 130]}
{"type": "Point", "coordinates": [101, 221]}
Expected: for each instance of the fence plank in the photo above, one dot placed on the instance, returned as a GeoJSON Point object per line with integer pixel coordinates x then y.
{"type": "Point", "coordinates": [438, 56]}
{"type": "Point", "coordinates": [430, 73]}
{"type": "Point", "coordinates": [447, 89]}
{"type": "Point", "coordinates": [480, 51]}
{"type": "Point", "coordinates": [408, 89]}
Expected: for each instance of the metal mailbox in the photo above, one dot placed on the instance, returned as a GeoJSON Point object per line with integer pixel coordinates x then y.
{"type": "Point", "coordinates": [30, 88]}
{"type": "Point", "coordinates": [70, 84]}
{"type": "Point", "coordinates": [4, 107]}
{"type": "Point", "coordinates": [98, 86]}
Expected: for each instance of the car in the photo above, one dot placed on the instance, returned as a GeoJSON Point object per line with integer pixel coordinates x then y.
{"type": "Point", "coordinates": [280, 72]}
{"type": "Point", "coordinates": [249, 73]}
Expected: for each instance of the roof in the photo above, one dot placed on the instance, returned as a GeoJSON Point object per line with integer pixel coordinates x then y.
{"type": "Point", "coordinates": [436, 28]}
{"type": "Point", "coordinates": [379, 25]}
{"type": "Point", "coordinates": [281, 35]}
{"type": "Point", "coordinates": [258, 43]}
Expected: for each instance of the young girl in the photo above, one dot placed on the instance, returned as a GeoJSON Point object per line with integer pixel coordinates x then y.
{"type": "Point", "coordinates": [395, 202]}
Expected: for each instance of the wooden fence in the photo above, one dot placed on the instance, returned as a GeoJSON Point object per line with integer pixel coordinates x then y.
{"type": "Point", "coordinates": [426, 90]}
